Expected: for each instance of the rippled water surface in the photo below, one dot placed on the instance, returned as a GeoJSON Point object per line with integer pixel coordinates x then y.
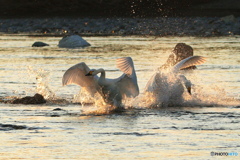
{"type": "Point", "coordinates": [208, 122]}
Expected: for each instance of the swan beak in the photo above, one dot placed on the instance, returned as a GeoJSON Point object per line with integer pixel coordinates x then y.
{"type": "Point", "coordinates": [88, 74]}
{"type": "Point", "coordinates": [189, 89]}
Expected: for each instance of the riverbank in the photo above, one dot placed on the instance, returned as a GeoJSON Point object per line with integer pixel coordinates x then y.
{"type": "Point", "coordinates": [164, 26]}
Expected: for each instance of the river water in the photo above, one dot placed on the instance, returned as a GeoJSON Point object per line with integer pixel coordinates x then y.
{"type": "Point", "coordinates": [60, 129]}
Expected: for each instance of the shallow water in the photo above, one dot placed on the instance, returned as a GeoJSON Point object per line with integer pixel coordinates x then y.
{"type": "Point", "coordinates": [208, 122]}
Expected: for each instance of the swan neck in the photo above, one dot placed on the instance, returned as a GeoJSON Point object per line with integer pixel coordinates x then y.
{"type": "Point", "coordinates": [103, 74]}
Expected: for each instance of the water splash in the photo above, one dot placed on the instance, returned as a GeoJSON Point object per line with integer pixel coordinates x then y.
{"type": "Point", "coordinates": [171, 95]}
{"type": "Point", "coordinates": [168, 92]}
{"type": "Point", "coordinates": [42, 78]}
{"type": "Point", "coordinates": [92, 105]}
{"type": "Point", "coordinates": [83, 97]}
{"type": "Point", "coordinates": [210, 95]}
{"type": "Point", "coordinates": [165, 90]}
{"type": "Point", "coordinates": [99, 107]}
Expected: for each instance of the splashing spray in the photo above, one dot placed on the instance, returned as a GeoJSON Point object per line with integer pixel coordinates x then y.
{"type": "Point", "coordinates": [42, 78]}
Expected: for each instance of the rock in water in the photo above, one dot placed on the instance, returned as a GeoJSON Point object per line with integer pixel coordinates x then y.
{"type": "Point", "coordinates": [73, 41]}
{"type": "Point", "coordinates": [7, 127]}
{"type": "Point", "coordinates": [180, 52]}
{"type": "Point", "coordinates": [39, 44]}
{"type": "Point", "coordinates": [36, 99]}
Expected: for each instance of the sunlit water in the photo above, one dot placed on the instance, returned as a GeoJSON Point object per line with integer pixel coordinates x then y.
{"type": "Point", "coordinates": [208, 121]}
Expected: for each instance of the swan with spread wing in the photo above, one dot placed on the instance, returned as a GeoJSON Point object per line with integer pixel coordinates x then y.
{"type": "Point", "coordinates": [167, 86]}
{"type": "Point", "coordinates": [113, 91]}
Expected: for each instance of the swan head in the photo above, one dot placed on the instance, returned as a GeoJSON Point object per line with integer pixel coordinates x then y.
{"type": "Point", "coordinates": [92, 72]}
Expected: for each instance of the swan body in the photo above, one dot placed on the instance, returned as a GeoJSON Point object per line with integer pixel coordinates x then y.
{"type": "Point", "coordinates": [167, 86]}
{"type": "Point", "coordinates": [112, 90]}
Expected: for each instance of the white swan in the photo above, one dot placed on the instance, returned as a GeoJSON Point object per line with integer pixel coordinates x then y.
{"type": "Point", "coordinates": [167, 87]}
{"type": "Point", "coordinates": [112, 90]}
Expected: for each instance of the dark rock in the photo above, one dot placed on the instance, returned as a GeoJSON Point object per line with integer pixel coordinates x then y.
{"type": "Point", "coordinates": [57, 109]}
{"type": "Point", "coordinates": [180, 52]}
{"type": "Point", "coordinates": [39, 44]}
{"type": "Point", "coordinates": [55, 115]}
{"type": "Point", "coordinates": [7, 127]}
{"type": "Point", "coordinates": [36, 99]}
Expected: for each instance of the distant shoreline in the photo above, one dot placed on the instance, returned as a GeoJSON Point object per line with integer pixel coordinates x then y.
{"type": "Point", "coordinates": [164, 26]}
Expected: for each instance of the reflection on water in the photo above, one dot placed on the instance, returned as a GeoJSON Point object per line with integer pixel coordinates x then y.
{"type": "Point", "coordinates": [209, 121]}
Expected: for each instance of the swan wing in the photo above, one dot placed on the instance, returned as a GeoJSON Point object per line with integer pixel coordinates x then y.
{"type": "Point", "coordinates": [128, 86]}
{"type": "Point", "coordinates": [152, 83]}
{"type": "Point", "coordinates": [127, 83]}
{"type": "Point", "coordinates": [76, 75]}
{"type": "Point", "coordinates": [188, 62]}
{"type": "Point", "coordinates": [126, 65]}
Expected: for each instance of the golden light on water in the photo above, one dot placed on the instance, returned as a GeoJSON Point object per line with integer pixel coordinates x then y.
{"type": "Point", "coordinates": [61, 130]}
